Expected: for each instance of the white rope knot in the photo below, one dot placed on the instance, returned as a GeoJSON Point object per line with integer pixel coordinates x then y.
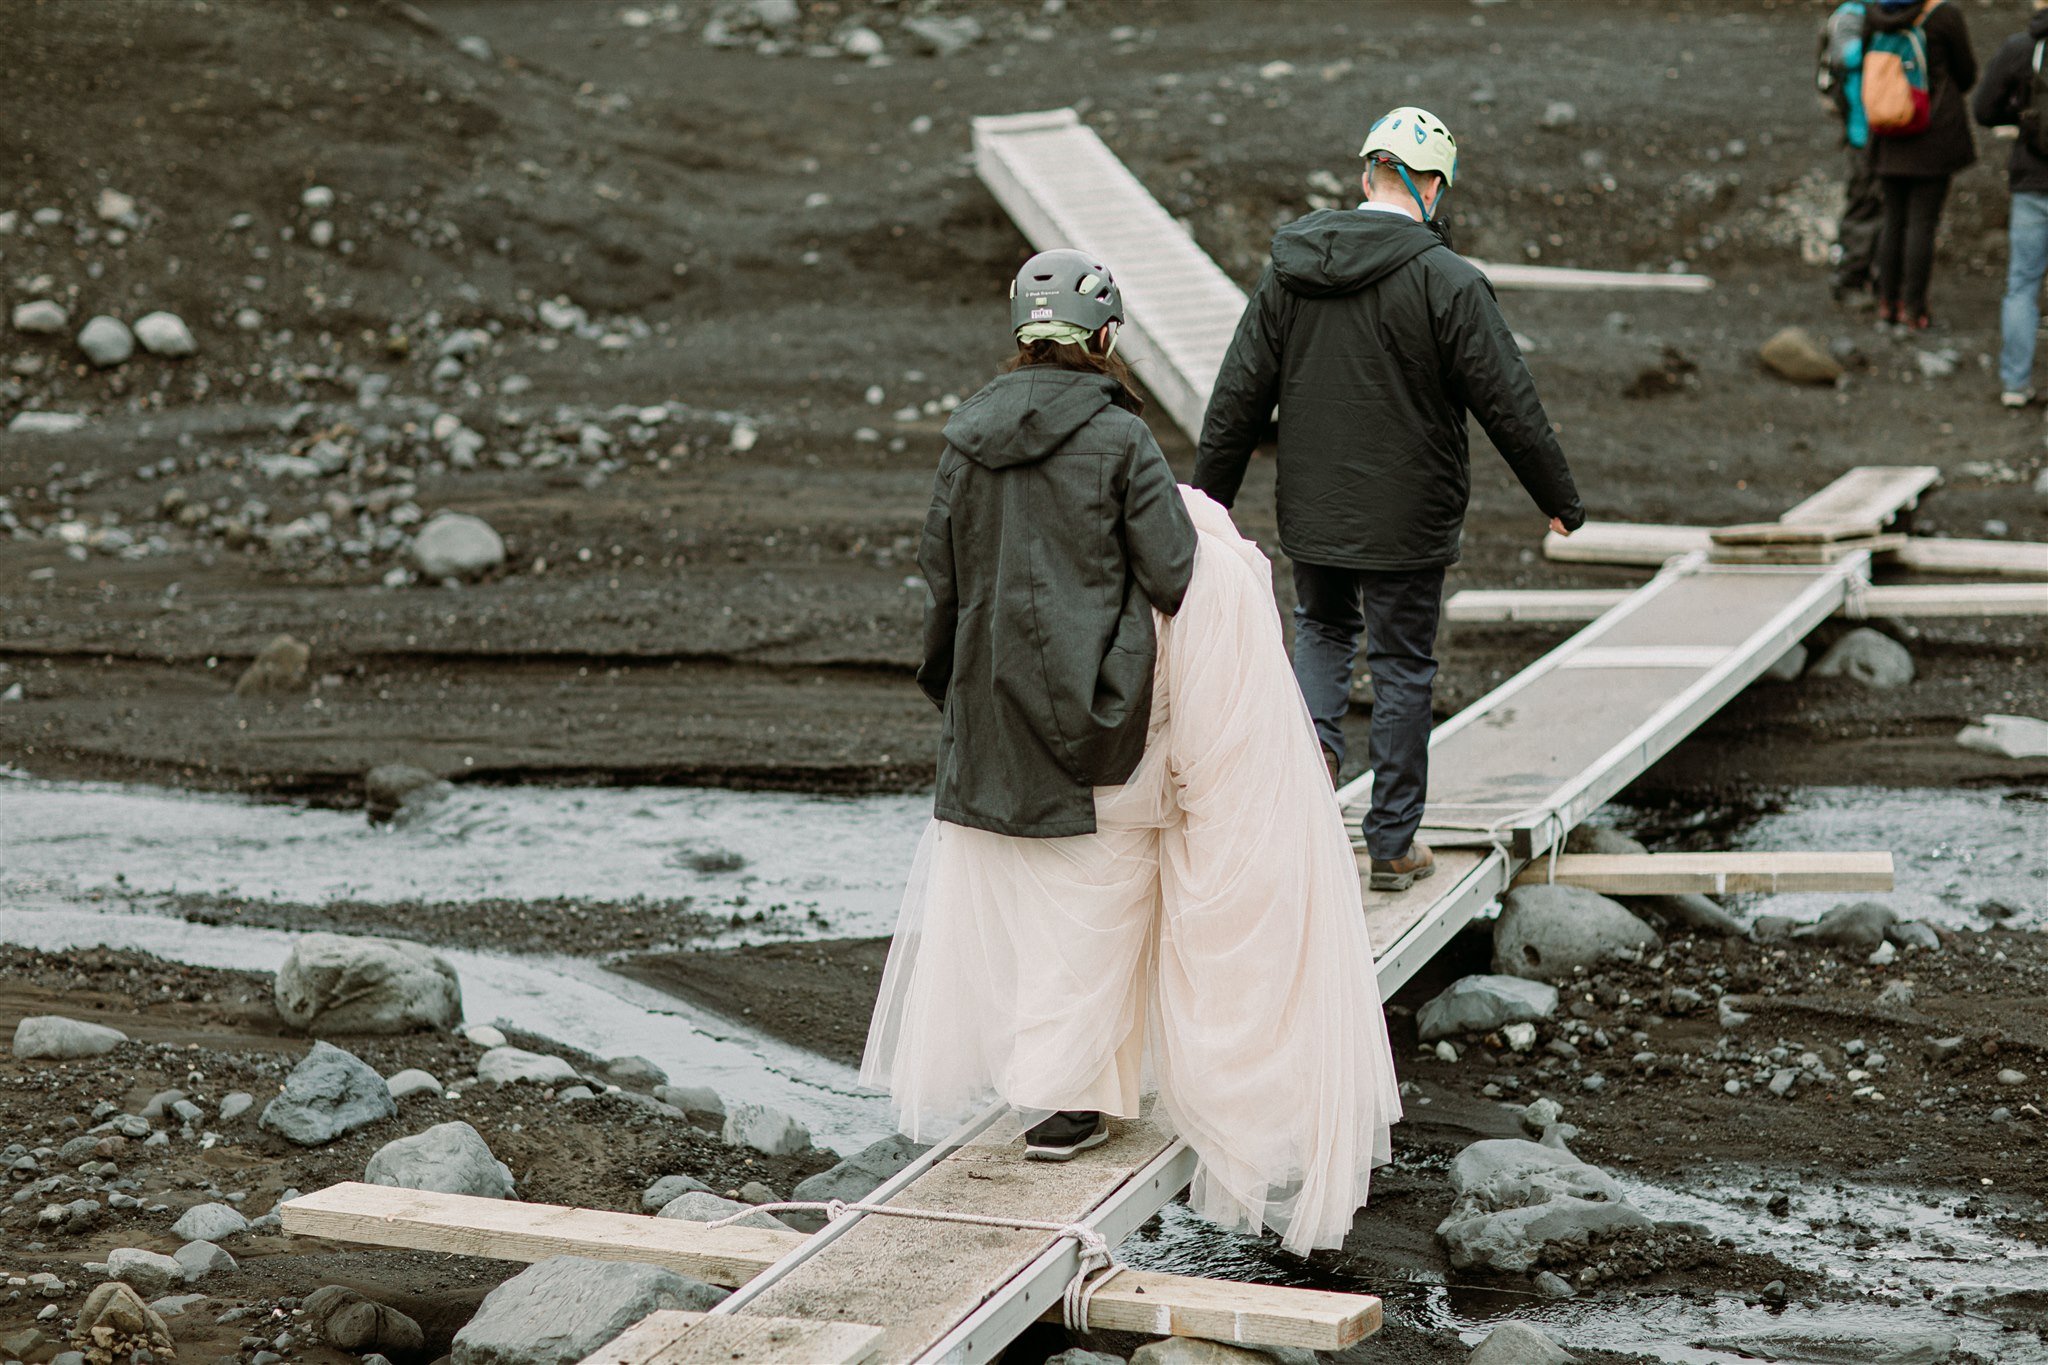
{"type": "Point", "coordinates": [1097, 1266]}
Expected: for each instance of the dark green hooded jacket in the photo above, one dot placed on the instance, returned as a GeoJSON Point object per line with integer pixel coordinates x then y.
{"type": "Point", "coordinates": [1055, 528]}
{"type": "Point", "coordinates": [1375, 340]}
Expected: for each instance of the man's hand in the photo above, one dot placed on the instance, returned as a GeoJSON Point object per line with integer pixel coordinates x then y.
{"type": "Point", "coordinates": [1557, 527]}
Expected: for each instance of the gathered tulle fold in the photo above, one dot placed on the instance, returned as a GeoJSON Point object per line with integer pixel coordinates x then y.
{"type": "Point", "coordinates": [1209, 939]}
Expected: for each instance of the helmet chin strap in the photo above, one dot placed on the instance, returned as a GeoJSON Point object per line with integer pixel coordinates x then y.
{"type": "Point", "coordinates": [1409, 181]}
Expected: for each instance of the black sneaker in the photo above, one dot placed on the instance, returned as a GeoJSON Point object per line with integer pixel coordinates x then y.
{"type": "Point", "coordinates": [1065, 1134]}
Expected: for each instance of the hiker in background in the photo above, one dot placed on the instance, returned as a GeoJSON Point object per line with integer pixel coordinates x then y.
{"type": "Point", "coordinates": [1839, 76]}
{"type": "Point", "coordinates": [2015, 95]}
{"type": "Point", "coordinates": [1917, 66]}
{"type": "Point", "coordinates": [1376, 340]}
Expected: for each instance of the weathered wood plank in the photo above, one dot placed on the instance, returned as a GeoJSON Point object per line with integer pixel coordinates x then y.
{"type": "Point", "coordinates": [2018, 559]}
{"type": "Point", "coordinates": [1714, 874]}
{"type": "Point", "coordinates": [1565, 605]}
{"type": "Point", "coordinates": [1789, 533]}
{"type": "Point", "coordinates": [508, 1230]}
{"type": "Point", "coordinates": [1544, 604]}
{"type": "Point", "coordinates": [1813, 552]}
{"type": "Point", "coordinates": [1565, 279]}
{"type": "Point", "coordinates": [1624, 542]}
{"type": "Point", "coordinates": [677, 1338]}
{"type": "Point", "coordinates": [1868, 494]}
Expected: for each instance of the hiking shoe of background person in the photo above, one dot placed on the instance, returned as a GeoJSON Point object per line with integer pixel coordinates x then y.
{"type": "Point", "coordinates": [1923, 323]}
{"type": "Point", "coordinates": [1065, 1135]}
{"type": "Point", "coordinates": [1398, 874]}
{"type": "Point", "coordinates": [2016, 398]}
{"type": "Point", "coordinates": [1330, 762]}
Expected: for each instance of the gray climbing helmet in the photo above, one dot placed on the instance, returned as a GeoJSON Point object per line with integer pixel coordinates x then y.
{"type": "Point", "coordinates": [1065, 286]}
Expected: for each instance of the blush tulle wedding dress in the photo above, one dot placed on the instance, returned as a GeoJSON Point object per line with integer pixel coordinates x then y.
{"type": "Point", "coordinates": [1208, 939]}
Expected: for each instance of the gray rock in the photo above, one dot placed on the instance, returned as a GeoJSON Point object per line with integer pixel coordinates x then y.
{"type": "Point", "coordinates": [511, 1065]}
{"type": "Point", "coordinates": [574, 1093]}
{"type": "Point", "coordinates": [1481, 1004]}
{"type": "Point", "coordinates": [106, 341]}
{"type": "Point", "coordinates": [150, 1272]}
{"type": "Point", "coordinates": [330, 1092]}
{"type": "Point", "coordinates": [457, 545]}
{"type": "Point", "coordinates": [1196, 1351]}
{"type": "Point", "coordinates": [1074, 1355]}
{"type": "Point", "coordinates": [772, 16]}
{"type": "Point", "coordinates": [1552, 1285]}
{"type": "Point", "coordinates": [668, 1189]}
{"type": "Point", "coordinates": [199, 1259]}
{"type": "Point", "coordinates": [45, 423]}
{"type": "Point", "coordinates": [2007, 737]}
{"type": "Point", "coordinates": [1686, 911]}
{"type": "Point", "coordinates": [1517, 1343]}
{"type": "Point", "coordinates": [165, 334]}
{"type": "Point", "coordinates": [413, 1081]}
{"type": "Point", "coordinates": [125, 1319]}
{"type": "Point", "coordinates": [1913, 933]}
{"type": "Point", "coordinates": [1875, 1345]}
{"type": "Point", "coordinates": [1789, 665]}
{"type": "Point", "coordinates": [1793, 354]}
{"type": "Point", "coordinates": [702, 1206]}
{"type": "Point", "coordinates": [279, 666]}
{"type": "Point", "coordinates": [564, 1308]}
{"type": "Point", "coordinates": [344, 1318]}
{"type": "Point", "coordinates": [234, 1104]}
{"type": "Point", "coordinates": [634, 1071]}
{"type": "Point", "coordinates": [335, 983]}
{"type": "Point", "coordinates": [41, 317]}
{"type": "Point", "coordinates": [942, 36]}
{"type": "Point", "coordinates": [392, 791]}
{"type": "Point", "coordinates": [1517, 1199]}
{"type": "Point", "coordinates": [1545, 931]}
{"type": "Point", "coordinates": [1866, 656]}
{"type": "Point", "coordinates": [451, 1158]}
{"type": "Point", "coordinates": [55, 1038]}
{"type": "Point", "coordinates": [692, 1099]}
{"type": "Point", "coordinates": [209, 1223]}
{"type": "Point", "coordinates": [170, 1305]}
{"type": "Point", "coordinates": [860, 41]}
{"type": "Point", "coordinates": [861, 1174]}
{"type": "Point", "coordinates": [1559, 114]}
{"type": "Point", "coordinates": [1861, 926]}
{"type": "Point", "coordinates": [765, 1129]}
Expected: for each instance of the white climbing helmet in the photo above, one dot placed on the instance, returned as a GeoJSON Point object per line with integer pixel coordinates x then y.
{"type": "Point", "coordinates": [1416, 139]}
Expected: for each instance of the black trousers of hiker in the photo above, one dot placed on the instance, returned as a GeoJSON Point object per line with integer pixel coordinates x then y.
{"type": "Point", "coordinates": [1905, 249]}
{"type": "Point", "coordinates": [1397, 613]}
{"type": "Point", "coordinates": [1862, 217]}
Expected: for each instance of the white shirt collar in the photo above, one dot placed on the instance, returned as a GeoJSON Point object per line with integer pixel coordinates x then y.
{"type": "Point", "coordinates": [1370, 207]}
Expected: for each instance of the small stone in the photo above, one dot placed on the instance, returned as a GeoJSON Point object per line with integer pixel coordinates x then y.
{"type": "Point", "coordinates": [1866, 656]}
{"type": "Point", "coordinates": [1789, 665]}
{"type": "Point", "coordinates": [670, 1188]}
{"type": "Point", "coordinates": [316, 198]}
{"type": "Point", "coordinates": [56, 1038]}
{"type": "Point", "coordinates": [1944, 1049]}
{"type": "Point", "coordinates": [1520, 1037]}
{"type": "Point", "coordinates": [1794, 354]}
{"type": "Point", "coordinates": [202, 1258]}
{"type": "Point", "coordinates": [2007, 737]}
{"type": "Point", "coordinates": [2009, 1076]}
{"type": "Point", "coordinates": [1896, 995]}
{"type": "Point", "coordinates": [1559, 114]}
{"type": "Point", "coordinates": [1913, 933]}
{"type": "Point", "coordinates": [209, 1223]}
{"type": "Point", "coordinates": [280, 667]}
{"type": "Point", "coordinates": [743, 437]}
{"type": "Point", "coordinates": [41, 317]}
{"type": "Point", "coordinates": [472, 46]}
{"type": "Point", "coordinates": [457, 545]}
{"type": "Point", "coordinates": [1783, 1080]}
{"type": "Point", "coordinates": [1595, 1082]}
{"type": "Point", "coordinates": [1552, 1285]}
{"type": "Point", "coordinates": [106, 341]}
{"type": "Point", "coordinates": [2001, 1115]}
{"type": "Point", "coordinates": [235, 1104]}
{"type": "Point", "coordinates": [329, 1093]}
{"type": "Point", "coordinates": [511, 1066]}
{"type": "Point", "coordinates": [45, 423]}
{"type": "Point", "coordinates": [450, 1158]}
{"type": "Point", "coordinates": [483, 1035]}
{"type": "Point", "coordinates": [701, 1206]}
{"type": "Point", "coordinates": [861, 42]}
{"type": "Point", "coordinates": [401, 791]}
{"type": "Point", "coordinates": [1860, 927]}
{"type": "Point", "coordinates": [149, 1272]}
{"type": "Point", "coordinates": [692, 1099]}
{"type": "Point", "coordinates": [1481, 1004]}
{"type": "Point", "coordinates": [413, 1081]}
{"type": "Point", "coordinates": [765, 1129]}
{"type": "Point", "coordinates": [635, 1071]}
{"type": "Point", "coordinates": [1445, 1052]}
{"type": "Point", "coordinates": [1882, 955]}
{"type": "Point", "coordinates": [166, 335]}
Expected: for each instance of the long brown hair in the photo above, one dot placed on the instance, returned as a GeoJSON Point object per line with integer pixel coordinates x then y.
{"type": "Point", "coordinates": [1070, 356]}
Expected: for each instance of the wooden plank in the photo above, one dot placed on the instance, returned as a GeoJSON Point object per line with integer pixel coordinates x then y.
{"type": "Point", "coordinates": [1821, 552]}
{"type": "Point", "coordinates": [677, 1338]}
{"type": "Point", "coordinates": [1796, 533]}
{"type": "Point", "coordinates": [2019, 559]}
{"type": "Point", "coordinates": [1569, 280]}
{"type": "Point", "coordinates": [508, 1230]}
{"type": "Point", "coordinates": [1713, 874]}
{"type": "Point", "coordinates": [1869, 494]}
{"type": "Point", "coordinates": [1623, 542]}
{"type": "Point", "coordinates": [1546, 604]}
{"type": "Point", "coordinates": [1481, 605]}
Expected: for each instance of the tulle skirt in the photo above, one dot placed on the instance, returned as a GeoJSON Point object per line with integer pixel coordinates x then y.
{"type": "Point", "coordinates": [1208, 939]}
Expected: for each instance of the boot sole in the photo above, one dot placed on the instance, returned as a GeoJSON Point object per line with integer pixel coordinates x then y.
{"type": "Point", "coordinates": [1065, 1153]}
{"type": "Point", "coordinates": [1401, 881]}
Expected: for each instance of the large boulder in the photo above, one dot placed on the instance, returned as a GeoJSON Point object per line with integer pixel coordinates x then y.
{"type": "Point", "coordinates": [452, 1158]}
{"type": "Point", "coordinates": [150, 1272]}
{"type": "Point", "coordinates": [702, 1206]}
{"type": "Point", "coordinates": [1545, 931]}
{"type": "Point", "coordinates": [1879, 1343]}
{"type": "Point", "coordinates": [765, 1129]}
{"type": "Point", "coordinates": [1197, 1351]}
{"type": "Point", "coordinates": [1517, 1343]}
{"type": "Point", "coordinates": [335, 983]}
{"type": "Point", "coordinates": [513, 1065]}
{"type": "Point", "coordinates": [1481, 1004]}
{"type": "Point", "coordinates": [209, 1223]}
{"type": "Point", "coordinates": [668, 1189]}
{"type": "Point", "coordinates": [344, 1318]}
{"type": "Point", "coordinates": [1867, 656]}
{"type": "Point", "coordinates": [115, 1321]}
{"type": "Point", "coordinates": [562, 1309]}
{"type": "Point", "coordinates": [330, 1092]}
{"type": "Point", "coordinates": [457, 545]}
{"type": "Point", "coordinates": [1517, 1199]}
{"type": "Point", "coordinates": [2007, 736]}
{"type": "Point", "coordinates": [54, 1038]}
{"type": "Point", "coordinates": [1860, 926]}
{"type": "Point", "coordinates": [861, 1174]}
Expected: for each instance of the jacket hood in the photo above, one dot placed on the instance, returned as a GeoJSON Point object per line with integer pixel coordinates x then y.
{"type": "Point", "coordinates": [2037, 25]}
{"type": "Point", "coordinates": [1891, 21]}
{"type": "Point", "coordinates": [1340, 251]}
{"type": "Point", "coordinates": [1025, 415]}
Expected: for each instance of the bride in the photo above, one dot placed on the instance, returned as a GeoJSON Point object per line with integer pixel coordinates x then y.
{"type": "Point", "coordinates": [1135, 870]}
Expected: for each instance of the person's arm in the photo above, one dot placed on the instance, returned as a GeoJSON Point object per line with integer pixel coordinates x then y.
{"type": "Point", "coordinates": [1496, 386]}
{"type": "Point", "coordinates": [942, 599]}
{"type": "Point", "coordinates": [2000, 98]}
{"type": "Point", "coordinates": [1158, 536]}
{"type": "Point", "coordinates": [1241, 403]}
{"type": "Point", "coordinates": [1962, 57]}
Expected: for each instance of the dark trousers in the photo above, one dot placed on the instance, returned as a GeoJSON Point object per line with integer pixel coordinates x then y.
{"type": "Point", "coordinates": [1397, 612]}
{"type": "Point", "coordinates": [1862, 218]}
{"type": "Point", "coordinates": [1905, 251]}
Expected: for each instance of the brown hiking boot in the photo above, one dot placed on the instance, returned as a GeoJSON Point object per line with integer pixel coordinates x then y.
{"type": "Point", "coordinates": [1403, 872]}
{"type": "Point", "coordinates": [1330, 762]}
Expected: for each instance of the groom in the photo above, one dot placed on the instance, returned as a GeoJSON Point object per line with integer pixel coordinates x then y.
{"type": "Point", "coordinates": [1376, 339]}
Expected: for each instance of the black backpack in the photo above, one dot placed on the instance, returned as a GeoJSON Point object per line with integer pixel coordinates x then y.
{"type": "Point", "coordinates": [2033, 124]}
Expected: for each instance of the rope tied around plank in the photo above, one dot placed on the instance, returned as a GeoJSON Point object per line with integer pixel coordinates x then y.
{"type": "Point", "coordinates": [1097, 1265]}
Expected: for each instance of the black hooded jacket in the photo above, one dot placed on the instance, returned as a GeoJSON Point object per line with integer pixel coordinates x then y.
{"type": "Point", "coordinates": [1375, 340]}
{"type": "Point", "coordinates": [1055, 529]}
{"type": "Point", "coordinates": [2006, 91]}
{"type": "Point", "coordinates": [1945, 146]}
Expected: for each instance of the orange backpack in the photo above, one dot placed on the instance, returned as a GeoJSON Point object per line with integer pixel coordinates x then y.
{"type": "Point", "coordinates": [1898, 99]}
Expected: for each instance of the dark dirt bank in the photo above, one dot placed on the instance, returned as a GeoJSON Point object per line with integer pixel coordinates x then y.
{"type": "Point", "coordinates": [756, 242]}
